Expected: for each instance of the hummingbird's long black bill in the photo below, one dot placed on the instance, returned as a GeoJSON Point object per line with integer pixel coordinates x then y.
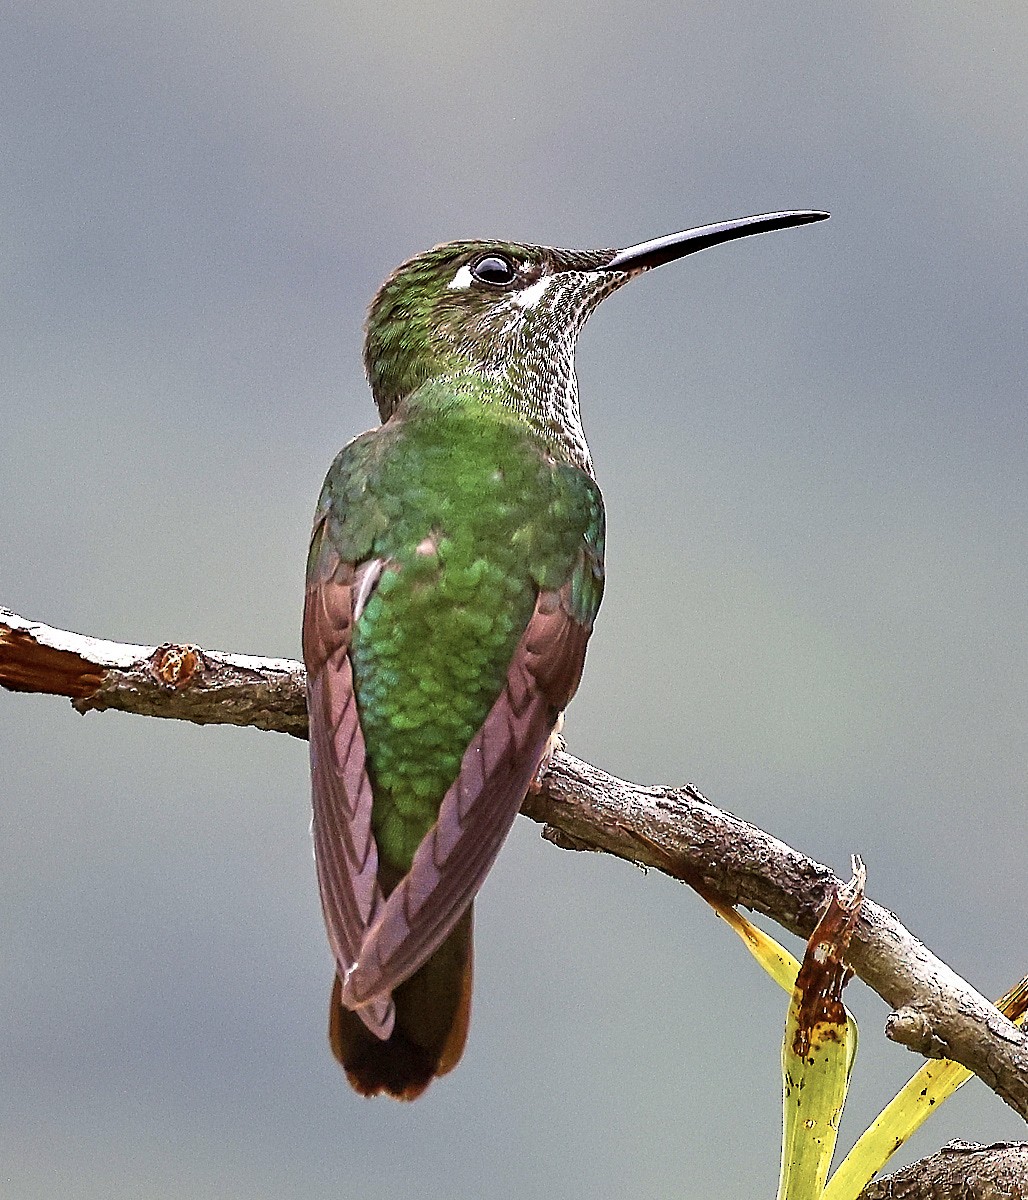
{"type": "Point", "coordinates": [677, 245]}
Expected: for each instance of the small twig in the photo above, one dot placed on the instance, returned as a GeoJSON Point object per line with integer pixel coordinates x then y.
{"type": "Point", "coordinates": [675, 830]}
{"type": "Point", "coordinates": [183, 682]}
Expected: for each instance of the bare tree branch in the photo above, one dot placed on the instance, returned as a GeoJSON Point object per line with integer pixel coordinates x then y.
{"type": "Point", "coordinates": [183, 682]}
{"type": "Point", "coordinates": [675, 830]}
{"type": "Point", "coordinates": [960, 1171]}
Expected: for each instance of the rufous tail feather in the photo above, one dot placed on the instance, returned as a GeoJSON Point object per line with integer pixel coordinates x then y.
{"type": "Point", "coordinates": [433, 1011]}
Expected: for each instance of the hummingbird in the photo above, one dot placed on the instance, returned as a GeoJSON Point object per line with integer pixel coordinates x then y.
{"type": "Point", "coordinates": [454, 575]}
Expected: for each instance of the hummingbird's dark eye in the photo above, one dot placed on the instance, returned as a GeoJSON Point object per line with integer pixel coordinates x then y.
{"type": "Point", "coordinates": [494, 268]}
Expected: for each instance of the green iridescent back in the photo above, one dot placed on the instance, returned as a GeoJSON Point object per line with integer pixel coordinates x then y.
{"type": "Point", "coordinates": [473, 516]}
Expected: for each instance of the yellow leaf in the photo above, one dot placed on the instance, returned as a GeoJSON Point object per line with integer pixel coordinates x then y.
{"type": "Point", "coordinates": [817, 1054]}
{"type": "Point", "coordinates": [912, 1106]}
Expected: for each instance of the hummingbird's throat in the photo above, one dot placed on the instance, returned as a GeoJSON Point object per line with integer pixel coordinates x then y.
{"type": "Point", "coordinates": [532, 349]}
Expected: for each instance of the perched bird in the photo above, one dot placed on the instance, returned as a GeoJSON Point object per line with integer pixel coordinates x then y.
{"type": "Point", "coordinates": [455, 571]}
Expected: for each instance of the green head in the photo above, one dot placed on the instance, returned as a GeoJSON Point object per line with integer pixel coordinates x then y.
{"type": "Point", "coordinates": [511, 313]}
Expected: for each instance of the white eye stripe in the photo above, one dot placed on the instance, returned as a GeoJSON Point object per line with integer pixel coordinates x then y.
{"type": "Point", "coordinates": [530, 296]}
{"type": "Point", "coordinates": [463, 279]}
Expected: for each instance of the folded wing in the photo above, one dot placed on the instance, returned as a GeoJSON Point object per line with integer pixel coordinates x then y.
{"type": "Point", "coordinates": [480, 806]}
{"type": "Point", "coordinates": [378, 942]}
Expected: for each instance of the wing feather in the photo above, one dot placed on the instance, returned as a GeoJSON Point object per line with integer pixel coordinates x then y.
{"type": "Point", "coordinates": [344, 845]}
{"type": "Point", "coordinates": [480, 806]}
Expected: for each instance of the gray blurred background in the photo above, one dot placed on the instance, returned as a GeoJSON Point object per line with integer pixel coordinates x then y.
{"type": "Point", "coordinates": [813, 450]}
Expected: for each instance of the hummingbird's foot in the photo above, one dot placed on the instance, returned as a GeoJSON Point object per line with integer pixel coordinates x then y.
{"type": "Point", "coordinates": [554, 743]}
